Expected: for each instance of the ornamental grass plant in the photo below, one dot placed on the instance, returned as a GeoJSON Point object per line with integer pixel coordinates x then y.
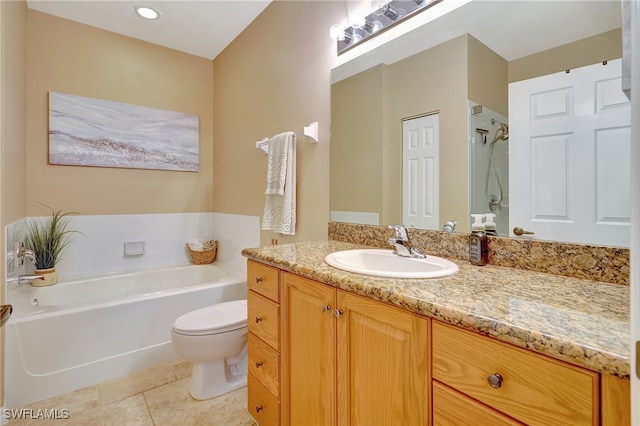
{"type": "Point", "coordinates": [49, 239]}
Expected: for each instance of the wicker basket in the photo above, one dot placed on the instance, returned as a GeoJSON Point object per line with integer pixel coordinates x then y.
{"type": "Point", "coordinates": [206, 255]}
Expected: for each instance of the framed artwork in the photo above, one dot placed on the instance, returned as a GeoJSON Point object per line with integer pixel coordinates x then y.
{"type": "Point", "coordinates": [100, 133]}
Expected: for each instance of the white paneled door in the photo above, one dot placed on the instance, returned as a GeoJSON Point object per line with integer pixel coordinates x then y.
{"type": "Point", "coordinates": [421, 172]}
{"type": "Point", "coordinates": [569, 156]}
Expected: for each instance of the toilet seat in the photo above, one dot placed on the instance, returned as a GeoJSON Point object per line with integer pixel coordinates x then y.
{"type": "Point", "coordinates": [216, 319]}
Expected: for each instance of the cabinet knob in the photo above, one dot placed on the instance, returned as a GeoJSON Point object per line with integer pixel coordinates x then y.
{"type": "Point", "coordinates": [326, 308]}
{"type": "Point", "coordinates": [495, 380]}
{"type": "Point", "coordinates": [259, 408]}
{"type": "Point", "coordinates": [338, 312]}
{"type": "Point", "coordinates": [258, 280]}
{"type": "Point", "coordinates": [259, 364]}
{"type": "Point", "coordinates": [258, 319]}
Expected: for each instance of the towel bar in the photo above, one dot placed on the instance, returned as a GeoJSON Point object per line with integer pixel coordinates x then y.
{"type": "Point", "coordinates": [310, 131]}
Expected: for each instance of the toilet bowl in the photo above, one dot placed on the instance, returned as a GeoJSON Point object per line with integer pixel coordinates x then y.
{"type": "Point", "coordinates": [214, 339]}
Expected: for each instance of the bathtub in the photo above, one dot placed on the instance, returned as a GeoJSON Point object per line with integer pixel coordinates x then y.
{"type": "Point", "coordinates": [80, 332]}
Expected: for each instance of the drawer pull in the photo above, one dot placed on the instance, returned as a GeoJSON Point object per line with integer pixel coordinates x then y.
{"type": "Point", "coordinates": [259, 364]}
{"type": "Point", "coordinates": [338, 312]}
{"type": "Point", "coordinates": [495, 380]}
{"type": "Point", "coordinates": [326, 308]}
{"type": "Point", "coordinates": [258, 319]}
{"type": "Point", "coordinates": [258, 280]}
{"type": "Point", "coordinates": [259, 408]}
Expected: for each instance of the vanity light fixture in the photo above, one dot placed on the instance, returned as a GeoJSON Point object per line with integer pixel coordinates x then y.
{"type": "Point", "coordinates": [146, 12]}
{"type": "Point", "coordinates": [386, 13]}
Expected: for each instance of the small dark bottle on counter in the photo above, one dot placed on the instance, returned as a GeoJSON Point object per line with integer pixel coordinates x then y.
{"type": "Point", "coordinates": [478, 248]}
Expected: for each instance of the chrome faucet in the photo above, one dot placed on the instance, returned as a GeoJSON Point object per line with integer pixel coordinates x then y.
{"type": "Point", "coordinates": [25, 279]}
{"type": "Point", "coordinates": [402, 243]}
{"type": "Point", "coordinates": [450, 226]}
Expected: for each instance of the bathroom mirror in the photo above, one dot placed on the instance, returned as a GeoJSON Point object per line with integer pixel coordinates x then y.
{"type": "Point", "coordinates": [443, 69]}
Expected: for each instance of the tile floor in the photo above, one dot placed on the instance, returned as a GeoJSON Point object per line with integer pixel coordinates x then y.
{"type": "Point", "coordinates": [155, 396]}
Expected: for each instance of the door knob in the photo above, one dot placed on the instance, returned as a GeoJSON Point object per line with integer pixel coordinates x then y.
{"type": "Point", "coordinates": [519, 231]}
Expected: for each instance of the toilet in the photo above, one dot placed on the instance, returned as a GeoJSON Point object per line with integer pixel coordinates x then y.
{"type": "Point", "coordinates": [214, 339]}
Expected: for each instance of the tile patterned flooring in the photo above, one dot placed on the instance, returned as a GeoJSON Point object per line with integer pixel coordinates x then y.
{"type": "Point", "coordinates": [156, 396]}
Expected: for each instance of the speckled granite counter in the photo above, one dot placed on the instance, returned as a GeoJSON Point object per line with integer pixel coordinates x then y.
{"type": "Point", "coordinates": [582, 322]}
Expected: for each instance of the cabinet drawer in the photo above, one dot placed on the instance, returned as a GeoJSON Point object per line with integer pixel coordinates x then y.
{"type": "Point", "coordinates": [531, 388]}
{"type": "Point", "coordinates": [263, 406]}
{"type": "Point", "coordinates": [264, 364]}
{"type": "Point", "coordinates": [263, 279]}
{"type": "Point", "coordinates": [263, 319]}
{"type": "Point", "coordinates": [451, 408]}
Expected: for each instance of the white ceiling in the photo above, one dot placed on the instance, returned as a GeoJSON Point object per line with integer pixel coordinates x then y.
{"type": "Point", "coordinates": [512, 28]}
{"type": "Point", "coordinates": [202, 27]}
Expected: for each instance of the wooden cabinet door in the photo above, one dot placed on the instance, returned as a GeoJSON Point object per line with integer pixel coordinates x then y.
{"type": "Point", "coordinates": [308, 352]}
{"type": "Point", "coordinates": [452, 408]}
{"type": "Point", "coordinates": [383, 364]}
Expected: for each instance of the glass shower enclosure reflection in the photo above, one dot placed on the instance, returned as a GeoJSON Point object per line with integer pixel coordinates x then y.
{"type": "Point", "coordinates": [489, 165]}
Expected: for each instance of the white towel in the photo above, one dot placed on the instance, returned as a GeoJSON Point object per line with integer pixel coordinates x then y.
{"type": "Point", "coordinates": [280, 206]}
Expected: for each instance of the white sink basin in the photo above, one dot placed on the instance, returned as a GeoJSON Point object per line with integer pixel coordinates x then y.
{"type": "Point", "coordinates": [383, 263]}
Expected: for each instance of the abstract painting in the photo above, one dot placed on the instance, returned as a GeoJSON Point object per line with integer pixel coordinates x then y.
{"type": "Point", "coordinates": [100, 133]}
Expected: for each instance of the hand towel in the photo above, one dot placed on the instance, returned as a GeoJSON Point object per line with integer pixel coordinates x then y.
{"type": "Point", "coordinates": [279, 146]}
{"type": "Point", "coordinates": [280, 206]}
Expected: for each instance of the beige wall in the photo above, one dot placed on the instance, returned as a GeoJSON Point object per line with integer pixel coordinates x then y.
{"type": "Point", "coordinates": [356, 150]}
{"type": "Point", "coordinates": [13, 24]}
{"type": "Point", "coordinates": [67, 57]}
{"type": "Point", "coordinates": [591, 50]}
{"type": "Point", "coordinates": [487, 77]}
{"type": "Point", "coordinates": [275, 77]}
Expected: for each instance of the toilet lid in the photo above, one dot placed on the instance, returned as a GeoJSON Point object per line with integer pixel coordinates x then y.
{"type": "Point", "coordinates": [218, 318]}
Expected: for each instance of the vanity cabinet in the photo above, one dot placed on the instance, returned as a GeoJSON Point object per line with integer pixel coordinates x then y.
{"type": "Point", "coordinates": [349, 360]}
{"type": "Point", "coordinates": [528, 387]}
{"type": "Point", "coordinates": [319, 355]}
{"type": "Point", "coordinates": [263, 324]}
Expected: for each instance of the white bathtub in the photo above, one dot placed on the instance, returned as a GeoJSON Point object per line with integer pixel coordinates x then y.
{"type": "Point", "coordinates": [81, 332]}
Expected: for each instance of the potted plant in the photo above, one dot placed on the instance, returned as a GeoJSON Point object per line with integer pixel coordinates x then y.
{"type": "Point", "coordinates": [48, 241]}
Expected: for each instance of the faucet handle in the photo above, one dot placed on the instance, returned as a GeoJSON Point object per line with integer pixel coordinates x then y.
{"type": "Point", "coordinates": [450, 226]}
{"type": "Point", "coordinates": [401, 232]}
{"type": "Point", "coordinates": [21, 253]}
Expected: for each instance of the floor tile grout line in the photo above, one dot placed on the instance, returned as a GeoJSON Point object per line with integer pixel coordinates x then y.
{"type": "Point", "coordinates": [146, 403]}
{"type": "Point", "coordinates": [151, 370]}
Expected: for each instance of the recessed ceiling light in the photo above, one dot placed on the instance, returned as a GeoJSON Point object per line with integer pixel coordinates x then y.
{"type": "Point", "coordinates": [147, 12]}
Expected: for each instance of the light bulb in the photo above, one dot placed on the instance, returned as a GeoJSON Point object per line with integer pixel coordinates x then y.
{"type": "Point", "coordinates": [378, 4]}
{"type": "Point", "coordinates": [336, 32]}
{"type": "Point", "coordinates": [357, 21]}
{"type": "Point", "coordinates": [147, 12]}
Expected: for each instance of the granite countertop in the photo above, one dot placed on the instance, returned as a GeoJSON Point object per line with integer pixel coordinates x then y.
{"type": "Point", "coordinates": [586, 323]}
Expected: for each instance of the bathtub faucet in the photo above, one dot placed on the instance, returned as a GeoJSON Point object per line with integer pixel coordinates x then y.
{"type": "Point", "coordinates": [24, 279]}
